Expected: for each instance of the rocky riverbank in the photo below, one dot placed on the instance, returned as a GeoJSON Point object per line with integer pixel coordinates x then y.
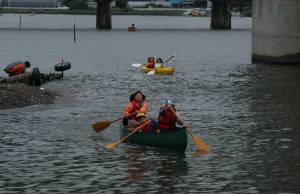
{"type": "Point", "coordinates": [17, 95]}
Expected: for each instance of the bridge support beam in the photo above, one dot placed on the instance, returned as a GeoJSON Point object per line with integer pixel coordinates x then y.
{"type": "Point", "coordinates": [103, 18]}
{"type": "Point", "coordinates": [221, 15]}
{"type": "Point", "coordinates": [276, 31]}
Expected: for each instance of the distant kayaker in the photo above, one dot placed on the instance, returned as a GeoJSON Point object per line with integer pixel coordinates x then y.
{"type": "Point", "coordinates": [17, 68]}
{"type": "Point", "coordinates": [132, 28]}
{"type": "Point", "coordinates": [150, 63]}
{"type": "Point", "coordinates": [159, 63]}
{"type": "Point", "coordinates": [136, 105]}
{"type": "Point", "coordinates": [166, 119]}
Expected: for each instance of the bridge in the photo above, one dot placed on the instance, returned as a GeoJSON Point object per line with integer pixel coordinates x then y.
{"type": "Point", "coordinates": [275, 27]}
{"type": "Point", "coordinates": [220, 19]}
{"type": "Point", "coordinates": [276, 31]}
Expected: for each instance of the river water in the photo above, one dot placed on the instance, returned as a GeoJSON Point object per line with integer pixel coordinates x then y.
{"type": "Point", "coordinates": [249, 114]}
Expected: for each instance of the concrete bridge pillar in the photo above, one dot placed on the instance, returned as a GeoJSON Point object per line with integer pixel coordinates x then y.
{"type": "Point", "coordinates": [103, 18]}
{"type": "Point", "coordinates": [221, 15]}
{"type": "Point", "coordinates": [276, 31]}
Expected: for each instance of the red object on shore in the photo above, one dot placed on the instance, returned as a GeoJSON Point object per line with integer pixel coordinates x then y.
{"type": "Point", "coordinates": [16, 68]}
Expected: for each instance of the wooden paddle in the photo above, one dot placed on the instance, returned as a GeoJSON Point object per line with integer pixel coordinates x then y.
{"type": "Point", "coordinates": [99, 126]}
{"type": "Point", "coordinates": [199, 143]}
{"type": "Point", "coordinates": [115, 144]}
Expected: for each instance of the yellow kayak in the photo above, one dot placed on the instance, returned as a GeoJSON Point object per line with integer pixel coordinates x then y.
{"type": "Point", "coordinates": [160, 70]}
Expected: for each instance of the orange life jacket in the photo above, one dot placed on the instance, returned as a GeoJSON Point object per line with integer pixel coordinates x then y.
{"type": "Point", "coordinates": [17, 69]}
{"type": "Point", "coordinates": [132, 107]}
{"type": "Point", "coordinates": [150, 63]}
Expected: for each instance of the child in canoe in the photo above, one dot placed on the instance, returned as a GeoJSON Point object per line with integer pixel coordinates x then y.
{"type": "Point", "coordinates": [150, 127]}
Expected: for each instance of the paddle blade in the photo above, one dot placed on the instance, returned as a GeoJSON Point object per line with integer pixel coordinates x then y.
{"type": "Point", "coordinates": [112, 145]}
{"type": "Point", "coordinates": [99, 126]}
{"type": "Point", "coordinates": [151, 73]}
{"type": "Point", "coordinates": [137, 65]}
{"type": "Point", "coordinates": [200, 153]}
{"type": "Point", "coordinates": [200, 144]}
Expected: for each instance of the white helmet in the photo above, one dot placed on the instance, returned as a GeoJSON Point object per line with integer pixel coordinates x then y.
{"type": "Point", "coordinates": [170, 102]}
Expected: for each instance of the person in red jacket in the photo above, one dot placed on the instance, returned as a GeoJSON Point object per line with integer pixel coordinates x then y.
{"type": "Point", "coordinates": [136, 105]}
{"type": "Point", "coordinates": [167, 119]}
{"type": "Point", "coordinates": [17, 68]}
{"type": "Point", "coordinates": [150, 63]}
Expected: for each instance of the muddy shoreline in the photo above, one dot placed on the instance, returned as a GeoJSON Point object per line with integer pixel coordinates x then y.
{"type": "Point", "coordinates": [17, 95]}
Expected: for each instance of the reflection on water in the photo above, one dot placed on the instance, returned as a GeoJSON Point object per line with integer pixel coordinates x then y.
{"type": "Point", "coordinates": [152, 170]}
{"type": "Point", "coordinates": [248, 114]}
{"type": "Point", "coordinates": [273, 103]}
{"type": "Point", "coordinates": [200, 153]}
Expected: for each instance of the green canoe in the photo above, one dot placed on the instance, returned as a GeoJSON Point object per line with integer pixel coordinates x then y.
{"type": "Point", "coordinates": [175, 139]}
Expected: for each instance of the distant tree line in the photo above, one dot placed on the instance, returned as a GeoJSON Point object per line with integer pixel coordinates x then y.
{"type": "Point", "coordinates": [76, 4]}
{"type": "Point", "coordinates": [82, 4]}
{"type": "Point", "coordinates": [244, 6]}
{"type": "Point", "coordinates": [121, 4]}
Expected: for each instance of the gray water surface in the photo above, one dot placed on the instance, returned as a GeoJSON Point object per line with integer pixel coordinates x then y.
{"type": "Point", "coordinates": [249, 114]}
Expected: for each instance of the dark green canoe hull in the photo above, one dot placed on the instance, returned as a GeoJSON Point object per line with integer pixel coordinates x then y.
{"type": "Point", "coordinates": [176, 140]}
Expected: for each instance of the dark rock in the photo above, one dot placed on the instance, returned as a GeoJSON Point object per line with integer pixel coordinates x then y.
{"type": "Point", "coordinates": [16, 95]}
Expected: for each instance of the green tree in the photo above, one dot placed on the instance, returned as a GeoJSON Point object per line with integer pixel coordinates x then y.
{"type": "Point", "coordinates": [121, 4]}
{"type": "Point", "coordinates": [76, 4]}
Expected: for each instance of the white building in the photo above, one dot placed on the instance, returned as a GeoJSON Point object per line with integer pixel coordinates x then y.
{"type": "Point", "coordinates": [28, 3]}
{"type": "Point", "coordinates": [93, 4]}
{"type": "Point", "coordinates": [141, 3]}
{"type": "Point", "coordinates": [171, 3]}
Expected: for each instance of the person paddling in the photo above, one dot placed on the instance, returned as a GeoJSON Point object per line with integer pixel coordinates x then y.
{"type": "Point", "coordinates": [150, 127]}
{"type": "Point", "coordinates": [136, 105]}
{"type": "Point", "coordinates": [159, 63]}
{"type": "Point", "coordinates": [132, 28]}
{"type": "Point", "coordinates": [150, 63]}
{"type": "Point", "coordinates": [167, 119]}
{"type": "Point", "coordinates": [17, 68]}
